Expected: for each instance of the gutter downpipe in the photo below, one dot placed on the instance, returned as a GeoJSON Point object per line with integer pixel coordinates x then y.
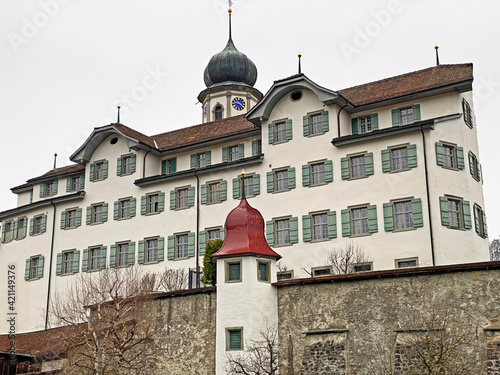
{"type": "Point", "coordinates": [428, 196]}
{"type": "Point", "coordinates": [144, 163]}
{"type": "Point", "coordinates": [197, 229]}
{"type": "Point", "coordinates": [50, 266]}
{"type": "Point", "coordinates": [338, 117]}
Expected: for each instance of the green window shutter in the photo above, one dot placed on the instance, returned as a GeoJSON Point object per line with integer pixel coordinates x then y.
{"type": "Point", "coordinates": [202, 241]}
{"type": "Point", "coordinates": [203, 193]}
{"type": "Point", "coordinates": [416, 112]}
{"type": "Point", "coordinates": [225, 152]}
{"type": "Point", "coordinates": [270, 182]}
{"type": "Point", "coordinates": [14, 229]}
{"type": "Point", "coordinates": [119, 166]}
{"type": "Point", "coordinates": [395, 117]}
{"type": "Point", "coordinates": [191, 244]}
{"type": "Point", "coordinates": [173, 165]}
{"type": "Point", "coordinates": [289, 129]}
{"type": "Point", "coordinates": [305, 125]}
{"type": "Point", "coordinates": [241, 151]}
{"type": "Point", "coordinates": [59, 264]}
{"type": "Point", "coordinates": [42, 190]}
{"type": "Point", "coordinates": [236, 188]}
{"type": "Point", "coordinates": [471, 164]}
{"type": "Point", "coordinates": [324, 121]}
{"type": "Point", "coordinates": [191, 196]}
{"type": "Point", "coordinates": [131, 253]}
{"type": "Point", "coordinates": [112, 256]}
{"type": "Point", "coordinates": [223, 190]}
{"type": "Point", "coordinates": [345, 217]}
{"type": "Point", "coordinates": [82, 182]}
{"type": "Point", "coordinates": [306, 173]}
{"type": "Point", "coordinates": [116, 208]}
{"type": "Point", "coordinates": [32, 220]}
{"type": "Point", "coordinates": [294, 229]}
{"type": "Point", "coordinates": [132, 163]}
{"type": "Point", "coordinates": [3, 233]}
{"type": "Point", "coordinates": [68, 184]}
{"type": "Point", "coordinates": [44, 223]}
{"type": "Point", "coordinates": [133, 202]}
{"type": "Point", "coordinates": [63, 219]}
{"type": "Point", "coordinates": [78, 220]}
{"type": "Point", "coordinates": [372, 219]}
{"type": "Point", "coordinates": [291, 178]}
{"type": "Point", "coordinates": [485, 227]}
{"type": "Point", "coordinates": [105, 169]}
{"type": "Point", "coordinates": [388, 217]}
{"type": "Point", "coordinates": [143, 205]}
{"type": "Point", "coordinates": [445, 215]}
{"type": "Point", "coordinates": [418, 217]}
{"type": "Point", "coordinates": [440, 154]}
{"type": "Point", "coordinates": [374, 121]}
{"type": "Point", "coordinates": [476, 219]}
{"type": "Point", "coordinates": [27, 269]}
{"type": "Point", "coordinates": [170, 247]}
{"type": "Point", "coordinates": [412, 156]}
{"type": "Point", "coordinates": [222, 233]}
{"type": "Point", "coordinates": [76, 261]}
{"type": "Point", "coordinates": [161, 202]}
{"type": "Point", "coordinates": [163, 167]}
{"type": "Point", "coordinates": [88, 218]}
{"type": "Point", "coordinates": [332, 224]}
{"type": "Point", "coordinates": [386, 160]}
{"type": "Point", "coordinates": [354, 126]}
{"type": "Point", "coordinates": [328, 171]}
{"type": "Point", "coordinates": [161, 249]}
{"type": "Point", "coordinates": [344, 167]}
{"type": "Point", "coordinates": [104, 212]}
{"type": "Point", "coordinates": [41, 262]}
{"type": "Point", "coordinates": [460, 158]}
{"type": "Point", "coordinates": [208, 158]}
{"type": "Point", "coordinates": [369, 163]}
{"type": "Point", "coordinates": [85, 260]}
{"type": "Point", "coordinates": [467, 216]}
{"type": "Point", "coordinates": [102, 260]}
{"type": "Point", "coordinates": [91, 172]}
{"type": "Point", "coordinates": [172, 199]}
{"type": "Point", "coordinates": [306, 228]}
{"type": "Point", "coordinates": [256, 184]}
{"type": "Point", "coordinates": [54, 187]}
{"type": "Point", "coordinates": [193, 161]}
{"type": "Point", "coordinates": [270, 131]}
{"type": "Point", "coordinates": [270, 232]}
{"type": "Point", "coordinates": [140, 252]}
{"type": "Point", "coordinates": [255, 147]}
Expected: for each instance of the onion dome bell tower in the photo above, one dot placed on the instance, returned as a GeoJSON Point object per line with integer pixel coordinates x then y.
{"type": "Point", "coordinates": [229, 77]}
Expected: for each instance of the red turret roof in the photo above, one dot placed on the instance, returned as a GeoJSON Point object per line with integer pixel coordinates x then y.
{"type": "Point", "coordinates": [244, 231]}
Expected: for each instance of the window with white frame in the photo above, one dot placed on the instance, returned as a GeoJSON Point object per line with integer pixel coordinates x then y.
{"type": "Point", "coordinates": [317, 173]}
{"type": "Point", "coordinates": [213, 192]}
{"type": "Point", "coordinates": [97, 213]}
{"type": "Point", "coordinates": [213, 234]}
{"type": "Point", "coordinates": [399, 158]}
{"type": "Point", "coordinates": [94, 258]}
{"type": "Point", "coordinates": [450, 158]}
{"type": "Point", "coordinates": [7, 231]}
{"type": "Point", "coordinates": [233, 153]}
{"type": "Point", "coordinates": [181, 245]}
{"type": "Point", "coordinates": [365, 124]}
{"type": "Point", "coordinates": [248, 182]}
{"type": "Point", "coordinates": [34, 267]}
{"type": "Point", "coordinates": [201, 160]}
{"type": "Point", "coordinates": [48, 189]}
{"type": "Point", "coordinates": [362, 267]}
{"type": "Point", "coordinates": [285, 275]}
{"type": "Point", "coordinates": [182, 198]}
{"type": "Point", "coordinates": [22, 224]}
{"type": "Point", "coordinates": [475, 168]}
{"type": "Point", "coordinates": [450, 155]}
{"type": "Point", "coordinates": [357, 166]}
{"type": "Point", "coordinates": [280, 131]}
{"type": "Point", "coordinates": [169, 166]}
{"type": "Point", "coordinates": [67, 262]}
{"type": "Point", "coordinates": [234, 339]}
{"type": "Point", "coordinates": [467, 113]}
{"type": "Point", "coordinates": [403, 212]}
{"type": "Point", "coordinates": [71, 218]}
{"type": "Point", "coordinates": [123, 250]}
{"type": "Point", "coordinates": [124, 208]}
{"type": "Point", "coordinates": [480, 221]}
{"type": "Point", "coordinates": [263, 271]}
{"type": "Point", "coordinates": [152, 203]}
{"type": "Point", "coordinates": [406, 115]}
{"type": "Point", "coordinates": [406, 263]}
{"type": "Point", "coordinates": [125, 165]}
{"type": "Point", "coordinates": [281, 180]}
{"type": "Point", "coordinates": [319, 224]}
{"type": "Point", "coordinates": [321, 271]}
{"type": "Point", "coordinates": [152, 250]}
{"type": "Point", "coordinates": [455, 212]}
{"type": "Point", "coordinates": [282, 231]}
{"type": "Point", "coordinates": [233, 271]}
{"type": "Point", "coordinates": [316, 123]}
{"type": "Point", "coordinates": [99, 170]}
{"type": "Point", "coordinates": [38, 224]}
{"type": "Point", "coordinates": [74, 183]}
{"type": "Point", "coordinates": [359, 220]}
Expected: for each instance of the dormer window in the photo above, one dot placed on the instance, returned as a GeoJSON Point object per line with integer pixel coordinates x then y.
{"type": "Point", "coordinates": [218, 112]}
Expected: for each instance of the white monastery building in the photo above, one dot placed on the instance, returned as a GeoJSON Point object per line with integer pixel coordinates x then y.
{"type": "Point", "coordinates": [392, 166]}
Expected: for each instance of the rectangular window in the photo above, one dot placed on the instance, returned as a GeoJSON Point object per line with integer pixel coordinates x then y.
{"type": "Point", "coordinates": [357, 166]}
{"type": "Point", "coordinates": [99, 168]}
{"type": "Point", "coordinates": [214, 234]}
{"type": "Point", "coordinates": [34, 267]}
{"type": "Point", "coordinates": [450, 158]}
{"type": "Point", "coordinates": [38, 225]}
{"type": "Point", "coordinates": [399, 158]}
{"type": "Point", "coordinates": [97, 210]}
{"type": "Point", "coordinates": [233, 153]}
{"type": "Point", "coordinates": [403, 212]}
{"type": "Point", "coordinates": [181, 246]}
{"type": "Point", "coordinates": [125, 165]}
{"type": "Point", "coordinates": [70, 218]}
{"type": "Point", "coordinates": [95, 258]}
{"type": "Point", "coordinates": [316, 123]}
{"type": "Point", "coordinates": [467, 113]}
{"type": "Point", "coordinates": [475, 168]}
{"type": "Point", "coordinates": [234, 339]}
{"type": "Point", "coordinates": [282, 232]}
{"type": "Point", "coordinates": [22, 224]}
{"type": "Point", "coordinates": [281, 180]}
{"type": "Point", "coordinates": [152, 250]}
{"type": "Point", "coordinates": [123, 250]}
{"type": "Point", "coordinates": [359, 220]}
{"type": "Point", "coordinates": [318, 174]}
{"type": "Point", "coordinates": [450, 155]}
{"type": "Point", "coordinates": [49, 188]}
{"type": "Point", "coordinates": [74, 183]}
{"type": "Point", "coordinates": [214, 192]}
{"type": "Point", "coordinates": [319, 226]}
{"type": "Point", "coordinates": [201, 160]}
{"type": "Point", "coordinates": [362, 267]}
{"type": "Point", "coordinates": [7, 231]}
{"type": "Point", "coordinates": [249, 188]}
{"type": "Point", "coordinates": [280, 131]}
{"type": "Point", "coordinates": [233, 271]}
{"type": "Point", "coordinates": [407, 263]}
{"type": "Point", "coordinates": [455, 214]}
{"type": "Point", "coordinates": [480, 221]}
{"type": "Point", "coordinates": [124, 209]}
{"type": "Point", "coordinates": [263, 271]}
{"type": "Point", "coordinates": [256, 147]}
{"type": "Point", "coordinates": [365, 124]}
{"type": "Point", "coordinates": [152, 203]}
{"type": "Point", "coordinates": [321, 271]}
{"type": "Point", "coordinates": [285, 275]}
{"type": "Point", "coordinates": [169, 166]}
{"type": "Point", "coordinates": [182, 198]}
{"type": "Point", "coordinates": [67, 262]}
{"type": "Point", "coordinates": [406, 115]}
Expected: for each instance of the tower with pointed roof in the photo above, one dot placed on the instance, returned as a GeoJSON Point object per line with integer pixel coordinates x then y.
{"type": "Point", "coordinates": [229, 76]}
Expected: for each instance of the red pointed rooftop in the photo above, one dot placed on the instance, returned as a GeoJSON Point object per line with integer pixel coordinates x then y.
{"type": "Point", "coordinates": [244, 231]}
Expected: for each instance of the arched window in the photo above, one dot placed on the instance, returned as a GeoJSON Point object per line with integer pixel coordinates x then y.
{"type": "Point", "coordinates": [218, 112]}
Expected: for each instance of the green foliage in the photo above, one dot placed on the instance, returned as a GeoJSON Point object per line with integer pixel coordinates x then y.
{"type": "Point", "coordinates": [209, 269]}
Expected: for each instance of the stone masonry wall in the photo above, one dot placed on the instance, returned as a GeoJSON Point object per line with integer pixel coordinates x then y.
{"type": "Point", "coordinates": [354, 324]}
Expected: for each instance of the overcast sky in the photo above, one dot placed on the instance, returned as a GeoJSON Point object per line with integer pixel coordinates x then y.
{"type": "Point", "coordinates": [66, 64]}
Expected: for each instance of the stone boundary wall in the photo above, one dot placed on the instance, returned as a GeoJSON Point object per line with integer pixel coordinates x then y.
{"type": "Point", "coordinates": [352, 324]}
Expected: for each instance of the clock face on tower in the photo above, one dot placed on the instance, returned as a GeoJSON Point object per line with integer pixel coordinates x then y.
{"type": "Point", "coordinates": [238, 103]}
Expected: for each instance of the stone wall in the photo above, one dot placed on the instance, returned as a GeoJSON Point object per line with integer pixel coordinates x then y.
{"type": "Point", "coordinates": [365, 323]}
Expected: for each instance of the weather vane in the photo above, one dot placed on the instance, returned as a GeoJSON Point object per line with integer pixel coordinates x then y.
{"type": "Point", "coordinates": [230, 3]}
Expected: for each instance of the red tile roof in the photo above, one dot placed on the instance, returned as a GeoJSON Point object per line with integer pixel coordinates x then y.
{"type": "Point", "coordinates": [134, 134]}
{"type": "Point", "coordinates": [409, 83]}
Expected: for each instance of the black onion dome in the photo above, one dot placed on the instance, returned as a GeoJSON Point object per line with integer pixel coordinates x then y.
{"type": "Point", "coordinates": [231, 66]}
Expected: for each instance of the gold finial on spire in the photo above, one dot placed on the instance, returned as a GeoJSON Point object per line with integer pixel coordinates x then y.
{"type": "Point", "coordinates": [118, 119]}
{"type": "Point", "coordinates": [436, 47]}
{"type": "Point", "coordinates": [300, 69]}
{"type": "Point", "coordinates": [242, 174]}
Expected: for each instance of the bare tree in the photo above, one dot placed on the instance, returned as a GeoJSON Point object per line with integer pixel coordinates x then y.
{"type": "Point", "coordinates": [495, 249]}
{"type": "Point", "coordinates": [173, 279]}
{"type": "Point", "coordinates": [342, 259]}
{"type": "Point", "coordinates": [119, 334]}
{"type": "Point", "coordinates": [260, 357]}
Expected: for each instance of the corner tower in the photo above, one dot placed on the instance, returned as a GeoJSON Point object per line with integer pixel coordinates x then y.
{"type": "Point", "coordinates": [229, 77]}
